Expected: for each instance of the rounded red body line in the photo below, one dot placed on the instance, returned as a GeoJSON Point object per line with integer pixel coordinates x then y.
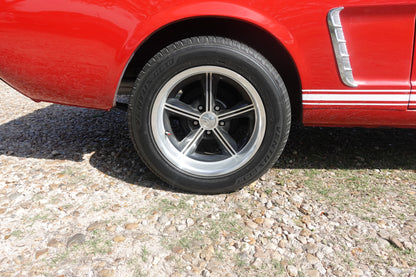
{"type": "Point", "coordinates": [75, 52]}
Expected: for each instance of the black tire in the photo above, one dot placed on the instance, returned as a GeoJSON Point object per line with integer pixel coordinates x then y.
{"type": "Point", "coordinates": [235, 137]}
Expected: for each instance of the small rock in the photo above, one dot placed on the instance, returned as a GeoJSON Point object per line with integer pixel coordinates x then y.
{"type": "Point", "coordinates": [106, 273]}
{"type": "Point", "coordinates": [19, 259]}
{"type": "Point", "coordinates": [55, 153]}
{"type": "Point", "coordinates": [395, 270]}
{"type": "Point", "coordinates": [251, 224]}
{"type": "Point", "coordinates": [187, 257]}
{"type": "Point", "coordinates": [292, 270]}
{"type": "Point", "coordinates": [241, 212]}
{"type": "Point", "coordinates": [303, 210]}
{"type": "Point", "coordinates": [381, 222]}
{"type": "Point", "coordinates": [41, 253]}
{"type": "Point", "coordinates": [95, 225]}
{"type": "Point", "coordinates": [190, 222]}
{"type": "Point", "coordinates": [205, 273]}
{"type": "Point", "coordinates": [131, 226]}
{"type": "Point", "coordinates": [411, 223]}
{"type": "Point", "coordinates": [75, 239]}
{"type": "Point", "coordinates": [268, 222]}
{"type": "Point", "coordinates": [111, 228]}
{"type": "Point", "coordinates": [207, 253]}
{"type": "Point", "coordinates": [164, 220]}
{"type": "Point", "coordinates": [181, 227]}
{"type": "Point", "coordinates": [55, 243]}
{"type": "Point", "coordinates": [318, 266]}
{"type": "Point", "coordinates": [257, 263]}
{"type": "Point", "coordinates": [408, 245]}
{"type": "Point", "coordinates": [306, 219]}
{"type": "Point", "coordinates": [264, 177]}
{"type": "Point", "coordinates": [383, 234]}
{"type": "Point", "coordinates": [357, 272]}
{"type": "Point", "coordinates": [260, 253]}
{"type": "Point", "coordinates": [170, 229]}
{"type": "Point", "coordinates": [302, 240]}
{"type": "Point", "coordinates": [396, 243]}
{"type": "Point", "coordinates": [119, 239]}
{"type": "Point", "coordinates": [14, 196]}
{"type": "Point", "coordinates": [2, 210]}
{"type": "Point", "coordinates": [178, 250]}
{"type": "Point", "coordinates": [312, 259]}
{"type": "Point", "coordinates": [24, 205]}
{"type": "Point", "coordinates": [76, 213]}
{"type": "Point", "coordinates": [282, 243]}
{"type": "Point", "coordinates": [259, 220]}
{"type": "Point", "coordinates": [276, 256]}
{"type": "Point", "coordinates": [312, 273]}
{"type": "Point", "coordinates": [311, 247]}
{"type": "Point", "coordinates": [305, 233]}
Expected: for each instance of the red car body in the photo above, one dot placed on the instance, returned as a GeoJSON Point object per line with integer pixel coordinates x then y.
{"type": "Point", "coordinates": [75, 52]}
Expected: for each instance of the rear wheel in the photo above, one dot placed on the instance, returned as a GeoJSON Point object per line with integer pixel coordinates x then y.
{"type": "Point", "coordinates": [209, 115]}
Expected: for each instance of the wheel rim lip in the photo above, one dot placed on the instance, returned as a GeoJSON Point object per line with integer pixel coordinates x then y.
{"type": "Point", "coordinates": [204, 168]}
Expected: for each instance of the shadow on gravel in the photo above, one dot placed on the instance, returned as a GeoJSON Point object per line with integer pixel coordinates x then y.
{"type": "Point", "coordinates": [349, 148]}
{"type": "Point", "coordinates": [67, 133]}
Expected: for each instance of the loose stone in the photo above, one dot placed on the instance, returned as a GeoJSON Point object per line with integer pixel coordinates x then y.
{"type": "Point", "coordinates": [41, 253]}
{"type": "Point", "coordinates": [55, 243]}
{"type": "Point", "coordinates": [95, 225]}
{"type": "Point", "coordinates": [119, 239]}
{"type": "Point", "coordinates": [396, 243]}
{"type": "Point", "coordinates": [292, 270]}
{"type": "Point", "coordinates": [106, 273]}
{"type": "Point", "coordinates": [312, 273]}
{"type": "Point", "coordinates": [131, 226]}
{"type": "Point", "coordinates": [75, 239]}
{"type": "Point", "coordinates": [312, 259]}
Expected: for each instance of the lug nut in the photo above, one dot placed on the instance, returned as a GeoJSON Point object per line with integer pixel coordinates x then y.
{"type": "Point", "coordinates": [217, 108]}
{"type": "Point", "coordinates": [208, 132]}
{"type": "Point", "coordinates": [222, 123]}
{"type": "Point", "coordinates": [195, 122]}
{"type": "Point", "coordinates": [200, 107]}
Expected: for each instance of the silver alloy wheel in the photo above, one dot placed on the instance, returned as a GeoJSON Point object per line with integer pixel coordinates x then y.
{"type": "Point", "coordinates": [208, 121]}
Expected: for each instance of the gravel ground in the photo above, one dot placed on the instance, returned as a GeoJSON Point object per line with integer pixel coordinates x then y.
{"type": "Point", "coordinates": [76, 201]}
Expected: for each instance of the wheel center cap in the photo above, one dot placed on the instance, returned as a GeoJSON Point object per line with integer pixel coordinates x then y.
{"type": "Point", "coordinates": [208, 120]}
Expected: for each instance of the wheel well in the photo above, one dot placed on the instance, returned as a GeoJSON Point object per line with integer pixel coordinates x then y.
{"type": "Point", "coordinates": [247, 33]}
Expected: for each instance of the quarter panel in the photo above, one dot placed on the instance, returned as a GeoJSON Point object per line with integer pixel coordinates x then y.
{"type": "Point", "coordinates": [380, 44]}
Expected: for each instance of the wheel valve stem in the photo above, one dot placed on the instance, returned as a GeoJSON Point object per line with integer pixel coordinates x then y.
{"type": "Point", "coordinates": [167, 133]}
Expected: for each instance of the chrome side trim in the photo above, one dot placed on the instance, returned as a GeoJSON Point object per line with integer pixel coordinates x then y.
{"type": "Point", "coordinates": [340, 47]}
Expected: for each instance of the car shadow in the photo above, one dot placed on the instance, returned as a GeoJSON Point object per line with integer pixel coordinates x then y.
{"type": "Point", "coordinates": [68, 133]}
{"type": "Point", "coordinates": [349, 148]}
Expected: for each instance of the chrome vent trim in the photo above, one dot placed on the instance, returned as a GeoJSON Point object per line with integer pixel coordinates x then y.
{"type": "Point", "coordinates": [340, 47]}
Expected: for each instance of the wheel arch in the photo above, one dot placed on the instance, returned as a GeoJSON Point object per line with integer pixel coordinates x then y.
{"type": "Point", "coordinates": [254, 36]}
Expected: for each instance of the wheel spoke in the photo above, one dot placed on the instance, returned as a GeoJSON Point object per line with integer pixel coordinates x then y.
{"type": "Point", "coordinates": [189, 144]}
{"type": "Point", "coordinates": [236, 112]}
{"type": "Point", "coordinates": [178, 107]}
{"type": "Point", "coordinates": [226, 141]}
{"type": "Point", "coordinates": [210, 85]}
